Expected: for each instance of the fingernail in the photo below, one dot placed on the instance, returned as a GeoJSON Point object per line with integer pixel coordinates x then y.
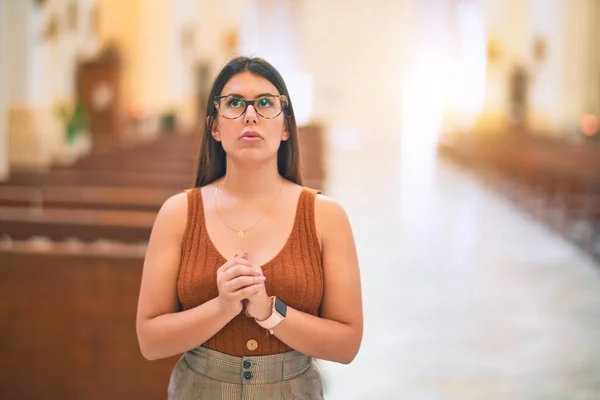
{"type": "Point", "coordinates": [262, 278]}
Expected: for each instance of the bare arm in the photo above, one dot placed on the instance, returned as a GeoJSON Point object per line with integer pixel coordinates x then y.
{"type": "Point", "coordinates": [337, 334]}
{"type": "Point", "coordinates": [162, 330]}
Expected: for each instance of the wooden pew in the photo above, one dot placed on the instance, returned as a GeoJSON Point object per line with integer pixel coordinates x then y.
{"type": "Point", "coordinates": [169, 154]}
{"type": "Point", "coordinates": [84, 197]}
{"type": "Point", "coordinates": [67, 324]}
{"type": "Point", "coordinates": [169, 162]}
{"type": "Point", "coordinates": [88, 205]}
{"type": "Point", "coordinates": [136, 164]}
{"type": "Point", "coordinates": [172, 181]}
{"type": "Point", "coordinates": [169, 144]}
{"type": "Point", "coordinates": [86, 225]}
{"type": "Point", "coordinates": [545, 176]}
{"type": "Point", "coordinates": [58, 204]}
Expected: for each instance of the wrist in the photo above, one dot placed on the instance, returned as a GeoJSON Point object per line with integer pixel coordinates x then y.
{"type": "Point", "coordinates": [278, 314]}
{"type": "Point", "coordinates": [227, 312]}
{"type": "Point", "coordinates": [266, 310]}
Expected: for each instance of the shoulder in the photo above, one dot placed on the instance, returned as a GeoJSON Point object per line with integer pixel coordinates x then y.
{"type": "Point", "coordinates": [172, 216]}
{"type": "Point", "coordinates": [328, 208]}
{"type": "Point", "coordinates": [330, 216]}
{"type": "Point", "coordinates": [176, 204]}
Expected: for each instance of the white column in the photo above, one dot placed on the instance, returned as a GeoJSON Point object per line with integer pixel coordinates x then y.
{"type": "Point", "coordinates": [3, 80]}
{"type": "Point", "coordinates": [272, 29]}
{"type": "Point", "coordinates": [547, 86]}
{"type": "Point", "coordinates": [180, 70]}
{"type": "Point", "coordinates": [218, 20]}
{"type": "Point", "coordinates": [564, 83]}
{"type": "Point", "coordinates": [581, 87]}
{"type": "Point", "coordinates": [512, 39]}
{"type": "Point", "coordinates": [35, 134]}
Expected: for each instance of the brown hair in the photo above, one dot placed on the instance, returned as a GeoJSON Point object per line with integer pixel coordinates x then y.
{"type": "Point", "coordinates": [212, 162]}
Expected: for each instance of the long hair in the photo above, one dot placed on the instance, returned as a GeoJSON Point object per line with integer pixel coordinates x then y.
{"type": "Point", "coordinates": [212, 158]}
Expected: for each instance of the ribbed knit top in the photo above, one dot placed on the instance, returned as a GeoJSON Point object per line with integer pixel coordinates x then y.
{"type": "Point", "coordinates": [295, 275]}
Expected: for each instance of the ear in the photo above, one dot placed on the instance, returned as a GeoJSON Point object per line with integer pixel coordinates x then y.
{"type": "Point", "coordinates": [214, 128]}
{"type": "Point", "coordinates": [285, 135]}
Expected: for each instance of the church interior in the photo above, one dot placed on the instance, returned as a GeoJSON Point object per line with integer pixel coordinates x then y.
{"type": "Point", "coordinates": [462, 137]}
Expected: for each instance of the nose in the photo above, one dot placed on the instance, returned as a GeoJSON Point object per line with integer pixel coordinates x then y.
{"type": "Point", "coordinates": [250, 116]}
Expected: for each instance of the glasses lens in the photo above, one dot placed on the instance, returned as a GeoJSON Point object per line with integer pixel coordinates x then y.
{"type": "Point", "coordinates": [231, 106]}
{"type": "Point", "coordinates": [266, 106]}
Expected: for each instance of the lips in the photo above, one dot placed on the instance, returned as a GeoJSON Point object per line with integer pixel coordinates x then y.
{"type": "Point", "coordinates": [251, 135]}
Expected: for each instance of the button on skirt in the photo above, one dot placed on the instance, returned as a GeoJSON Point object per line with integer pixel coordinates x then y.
{"type": "Point", "coordinates": [204, 374]}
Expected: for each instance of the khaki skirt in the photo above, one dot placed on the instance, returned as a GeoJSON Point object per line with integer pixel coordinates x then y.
{"type": "Point", "coordinates": [204, 374]}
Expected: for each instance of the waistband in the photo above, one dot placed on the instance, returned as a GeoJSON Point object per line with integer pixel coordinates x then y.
{"type": "Point", "coordinates": [248, 370]}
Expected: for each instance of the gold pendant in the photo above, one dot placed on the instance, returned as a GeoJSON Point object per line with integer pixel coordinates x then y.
{"type": "Point", "coordinates": [241, 234]}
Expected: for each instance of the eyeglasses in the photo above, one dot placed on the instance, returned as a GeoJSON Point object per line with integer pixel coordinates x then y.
{"type": "Point", "coordinates": [268, 106]}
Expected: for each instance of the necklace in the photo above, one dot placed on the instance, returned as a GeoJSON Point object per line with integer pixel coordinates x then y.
{"type": "Point", "coordinates": [242, 232]}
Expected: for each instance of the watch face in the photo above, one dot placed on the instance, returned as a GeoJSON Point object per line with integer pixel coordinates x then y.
{"type": "Point", "coordinates": [280, 306]}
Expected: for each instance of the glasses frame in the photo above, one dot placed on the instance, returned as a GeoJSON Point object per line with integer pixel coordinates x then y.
{"type": "Point", "coordinates": [281, 98]}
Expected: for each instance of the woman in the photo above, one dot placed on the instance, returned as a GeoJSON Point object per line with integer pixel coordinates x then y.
{"type": "Point", "coordinates": [250, 274]}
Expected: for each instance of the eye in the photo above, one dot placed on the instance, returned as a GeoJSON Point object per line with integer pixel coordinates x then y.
{"type": "Point", "coordinates": [265, 102]}
{"type": "Point", "coordinates": [233, 102]}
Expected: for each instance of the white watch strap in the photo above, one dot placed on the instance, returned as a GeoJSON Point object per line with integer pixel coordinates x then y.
{"type": "Point", "coordinates": [273, 320]}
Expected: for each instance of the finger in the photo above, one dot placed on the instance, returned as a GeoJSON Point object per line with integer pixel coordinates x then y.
{"type": "Point", "coordinates": [232, 263]}
{"type": "Point", "coordinates": [242, 282]}
{"type": "Point", "coordinates": [251, 296]}
{"type": "Point", "coordinates": [250, 291]}
{"type": "Point", "coordinates": [239, 270]}
{"type": "Point", "coordinates": [227, 265]}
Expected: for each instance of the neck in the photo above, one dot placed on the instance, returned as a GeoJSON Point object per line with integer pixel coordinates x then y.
{"type": "Point", "coordinates": [251, 181]}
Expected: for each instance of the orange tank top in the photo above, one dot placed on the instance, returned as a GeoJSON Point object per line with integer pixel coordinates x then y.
{"type": "Point", "coordinates": [295, 275]}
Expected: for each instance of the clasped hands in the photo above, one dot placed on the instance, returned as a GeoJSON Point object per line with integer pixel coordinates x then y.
{"type": "Point", "coordinates": [241, 283]}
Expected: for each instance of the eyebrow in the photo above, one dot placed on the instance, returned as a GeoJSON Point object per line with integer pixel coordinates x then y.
{"type": "Point", "coordinates": [242, 97]}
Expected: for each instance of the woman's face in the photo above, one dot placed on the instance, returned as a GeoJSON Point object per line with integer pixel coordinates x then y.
{"type": "Point", "coordinates": [250, 136]}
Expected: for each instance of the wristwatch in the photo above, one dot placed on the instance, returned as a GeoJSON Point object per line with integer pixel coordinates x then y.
{"type": "Point", "coordinates": [277, 315]}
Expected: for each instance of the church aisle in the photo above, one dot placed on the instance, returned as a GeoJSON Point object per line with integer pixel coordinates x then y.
{"type": "Point", "coordinates": [465, 297]}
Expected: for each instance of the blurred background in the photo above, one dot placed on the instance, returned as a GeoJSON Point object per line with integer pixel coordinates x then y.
{"type": "Point", "coordinates": [461, 136]}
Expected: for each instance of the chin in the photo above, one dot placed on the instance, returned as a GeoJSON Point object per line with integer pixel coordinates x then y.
{"type": "Point", "coordinates": [254, 156]}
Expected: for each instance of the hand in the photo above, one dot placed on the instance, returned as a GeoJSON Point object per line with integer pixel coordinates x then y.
{"type": "Point", "coordinates": [237, 280]}
{"type": "Point", "coordinates": [259, 305]}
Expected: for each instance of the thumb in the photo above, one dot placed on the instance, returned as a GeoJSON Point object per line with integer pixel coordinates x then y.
{"type": "Point", "coordinates": [242, 255]}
